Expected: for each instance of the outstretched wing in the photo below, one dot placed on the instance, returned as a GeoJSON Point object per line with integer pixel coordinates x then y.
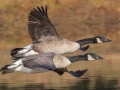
{"type": "Point", "coordinates": [39, 25]}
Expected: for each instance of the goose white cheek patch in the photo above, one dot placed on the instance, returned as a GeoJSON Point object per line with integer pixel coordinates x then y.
{"type": "Point", "coordinates": [99, 41]}
{"type": "Point", "coordinates": [90, 58]}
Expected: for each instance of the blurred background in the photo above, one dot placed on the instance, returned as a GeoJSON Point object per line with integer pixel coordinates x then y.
{"type": "Point", "coordinates": [74, 20]}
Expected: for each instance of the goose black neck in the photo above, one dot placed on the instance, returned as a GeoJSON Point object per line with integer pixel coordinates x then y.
{"type": "Point", "coordinates": [77, 58]}
{"type": "Point", "coordinates": [85, 41]}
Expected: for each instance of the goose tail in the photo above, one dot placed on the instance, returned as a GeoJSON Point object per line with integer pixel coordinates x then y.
{"type": "Point", "coordinates": [84, 48]}
{"type": "Point", "coordinates": [5, 69]}
{"type": "Point", "coordinates": [18, 52]}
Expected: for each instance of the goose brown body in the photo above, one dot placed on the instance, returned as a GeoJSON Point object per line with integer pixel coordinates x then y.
{"type": "Point", "coordinates": [59, 46]}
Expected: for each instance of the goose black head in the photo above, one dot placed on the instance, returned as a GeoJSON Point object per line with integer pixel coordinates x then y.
{"type": "Point", "coordinates": [92, 56]}
{"type": "Point", "coordinates": [101, 39]}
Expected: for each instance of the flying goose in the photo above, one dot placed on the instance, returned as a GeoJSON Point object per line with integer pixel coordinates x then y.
{"type": "Point", "coordinates": [50, 61]}
{"type": "Point", "coordinates": [46, 39]}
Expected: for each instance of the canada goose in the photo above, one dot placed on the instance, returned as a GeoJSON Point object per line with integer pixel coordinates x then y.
{"type": "Point", "coordinates": [46, 39]}
{"type": "Point", "coordinates": [43, 62]}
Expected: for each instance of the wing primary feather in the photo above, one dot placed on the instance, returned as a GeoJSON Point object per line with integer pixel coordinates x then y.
{"type": "Point", "coordinates": [43, 11]}
{"type": "Point", "coordinates": [39, 9]}
{"type": "Point", "coordinates": [46, 10]}
{"type": "Point", "coordinates": [35, 13]}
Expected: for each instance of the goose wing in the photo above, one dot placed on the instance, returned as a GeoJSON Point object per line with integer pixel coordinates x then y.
{"type": "Point", "coordinates": [39, 25]}
{"type": "Point", "coordinates": [41, 60]}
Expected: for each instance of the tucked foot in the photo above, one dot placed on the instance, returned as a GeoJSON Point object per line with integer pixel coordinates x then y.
{"type": "Point", "coordinates": [78, 73]}
{"type": "Point", "coordinates": [15, 51]}
{"type": "Point", "coordinates": [19, 52]}
{"type": "Point", "coordinates": [84, 48]}
{"type": "Point", "coordinates": [5, 69]}
{"type": "Point", "coordinates": [61, 71]}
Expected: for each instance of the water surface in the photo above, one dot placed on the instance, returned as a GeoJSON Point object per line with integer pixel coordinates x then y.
{"type": "Point", "coordinates": [101, 75]}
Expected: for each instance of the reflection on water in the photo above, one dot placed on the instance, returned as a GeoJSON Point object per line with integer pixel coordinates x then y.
{"type": "Point", "coordinates": [100, 83]}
